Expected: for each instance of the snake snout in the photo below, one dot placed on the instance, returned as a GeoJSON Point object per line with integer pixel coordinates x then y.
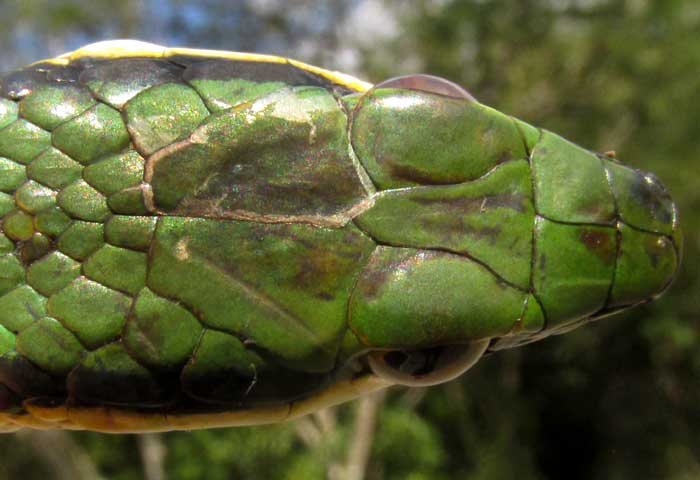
{"type": "Point", "coordinates": [649, 234]}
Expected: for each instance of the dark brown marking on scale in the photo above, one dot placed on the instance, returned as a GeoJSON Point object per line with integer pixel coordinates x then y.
{"type": "Point", "coordinates": [454, 229]}
{"type": "Point", "coordinates": [542, 263]}
{"type": "Point", "coordinates": [317, 269]}
{"type": "Point", "coordinates": [517, 202]}
{"type": "Point", "coordinates": [491, 234]}
{"type": "Point", "coordinates": [599, 243]}
{"type": "Point", "coordinates": [412, 174]}
{"type": "Point", "coordinates": [375, 275]}
{"type": "Point", "coordinates": [372, 277]}
{"type": "Point", "coordinates": [504, 157]}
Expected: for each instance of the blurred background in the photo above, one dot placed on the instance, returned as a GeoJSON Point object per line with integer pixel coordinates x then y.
{"type": "Point", "coordinates": [616, 400]}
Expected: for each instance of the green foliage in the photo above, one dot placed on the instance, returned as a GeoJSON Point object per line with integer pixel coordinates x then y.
{"type": "Point", "coordinates": [231, 453]}
{"type": "Point", "coordinates": [400, 432]}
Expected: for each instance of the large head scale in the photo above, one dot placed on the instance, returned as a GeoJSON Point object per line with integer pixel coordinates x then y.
{"type": "Point", "coordinates": [495, 233]}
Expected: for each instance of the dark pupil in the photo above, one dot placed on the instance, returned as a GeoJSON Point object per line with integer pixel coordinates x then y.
{"type": "Point", "coordinates": [418, 362]}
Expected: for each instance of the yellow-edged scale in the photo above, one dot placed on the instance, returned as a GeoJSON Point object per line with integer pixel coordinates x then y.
{"type": "Point", "coordinates": [196, 238]}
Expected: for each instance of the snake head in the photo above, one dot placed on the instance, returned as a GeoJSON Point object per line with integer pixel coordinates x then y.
{"type": "Point", "coordinates": [649, 236]}
{"type": "Point", "coordinates": [492, 233]}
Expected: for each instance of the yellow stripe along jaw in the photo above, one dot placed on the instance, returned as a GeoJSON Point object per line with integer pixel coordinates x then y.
{"type": "Point", "coordinates": [135, 48]}
{"type": "Point", "coordinates": [43, 415]}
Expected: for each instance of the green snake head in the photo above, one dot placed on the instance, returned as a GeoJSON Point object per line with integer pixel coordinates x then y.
{"type": "Point", "coordinates": [194, 238]}
{"type": "Point", "coordinates": [492, 233]}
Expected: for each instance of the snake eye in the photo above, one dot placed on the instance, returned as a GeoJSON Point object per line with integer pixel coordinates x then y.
{"type": "Point", "coordinates": [428, 84]}
{"type": "Point", "coordinates": [429, 366]}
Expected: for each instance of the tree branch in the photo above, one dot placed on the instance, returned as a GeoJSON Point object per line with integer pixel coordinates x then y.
{"type": "Point", "coordinates": [307, 431]}
{"type": "Point", "coordinates": [66, 458]}
{"type": "Point", "coordinates": [153, 453]}
{"type": "Point", "coordinates": [367, 408]}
